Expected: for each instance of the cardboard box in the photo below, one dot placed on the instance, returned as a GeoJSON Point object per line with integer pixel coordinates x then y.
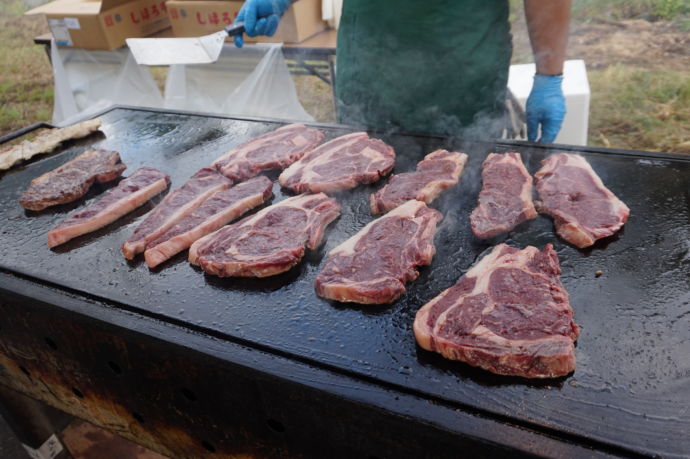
{"type": "Point", "coordinates": [102, 24]}
{"type": "Point", "coordinates": [192, 18]}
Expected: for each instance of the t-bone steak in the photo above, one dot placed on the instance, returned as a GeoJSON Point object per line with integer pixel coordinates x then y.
{"type": "Point", "coordinates": [340, 164]}
{"type": "Point", "coordinates": [73, 179]}
{"type": "Point", "coordinates": [275, 150]}
{"type": "Point", "coordinates": [129, 194]}
{"type": "Point", "coordinates": [506, 197]}
{"type": "Point", "coordinates": [437, 172]}
{"type": "Point", "coordinates": [174, 207]}
{"type": "Point", "coordinates": [583, 209]}
{"type": "Point", "coordinates": [219, 209]}
{"type": "Point", "coordinates": [270, 242]}
{"type": "Point", "coordinates": [373, 266]}
{"type": "Point", "coordinates": [508, 314]}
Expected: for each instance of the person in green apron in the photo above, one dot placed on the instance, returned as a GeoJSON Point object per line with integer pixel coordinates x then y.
{"type": "Point", "coordinates": [438, 66]}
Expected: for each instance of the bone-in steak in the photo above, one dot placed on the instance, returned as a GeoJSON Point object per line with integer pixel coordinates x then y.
{"type": "Point", "coordinates": [275, 150]}
{"type": "Point", "coordinates": [219, 209]}
{"type": "Point", "coordinates": [174, 207]}
{"type": "Point", "coordinates": [129, 194]}
{"type": "Point", "coordinates": [508, 314]}
{"type": "Point", "coordinates": [583, 209]}
{"type": "Point", "coordinates": [437, 172]}
{"type": "Point", "coordinates": [506, 197]}
{"type": "Point", "coordinates": [268, 243]}
{"type": "Point", "coordinates": [73, 179]}
{"type": "Point", "coordinates": [373, 266]}
{"type": "Point", "coordinates": [340, 164]}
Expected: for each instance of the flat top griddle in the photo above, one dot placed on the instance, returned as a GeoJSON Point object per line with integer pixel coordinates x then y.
{"type": "Point", "coordinates": [630, 390]}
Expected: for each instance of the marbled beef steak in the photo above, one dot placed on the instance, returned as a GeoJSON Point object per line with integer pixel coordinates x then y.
{"type": "Point", "coordinates": [269, 242]}
{"type": "Point", "coordinates": [508, 314]}
{"type": "Point", "coordinates": [373, 266]}
{"type": "Point", "coordinates": [583, 209]}
{"type": "Point", "coordinates": [506, 197]}
{"type": "Point", "coordinates": [437, 172]}
{"type": "Point", "coordinates": [73, 179]}
{"type": "Point", "coordinates": [274, 150]}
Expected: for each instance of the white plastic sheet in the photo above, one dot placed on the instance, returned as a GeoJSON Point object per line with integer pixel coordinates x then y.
{"type": "Point", "coordinates": [88, 81]}
{"type": "Point", "coordinates": [251, 81]}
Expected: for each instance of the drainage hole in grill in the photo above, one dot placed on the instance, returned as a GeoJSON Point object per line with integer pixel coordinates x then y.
{"type": "Point", "coordinates": [77, 392]}
{"type": "Point", "coordinates": [138, 417]}
{"type": "Point", "coordinates": [25, 371]}
{"type": "Point", "coordinates": [209, 447]}
{"type": "Point", "coordinates": [115, 367]}
{"type": "Point", "coordinates": [276, 426]}
{"type": "Point", "coordinates": [51, 344]}
{"type": "Point", "coordinates": [188, 394]}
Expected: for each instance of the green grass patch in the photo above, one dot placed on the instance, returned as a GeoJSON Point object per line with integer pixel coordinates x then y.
{"type": "Point", "coordinates": [639, 109]}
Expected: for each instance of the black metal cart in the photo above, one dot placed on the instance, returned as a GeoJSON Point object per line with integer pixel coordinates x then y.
{"type": "Point", "coordinates": [193, 365]}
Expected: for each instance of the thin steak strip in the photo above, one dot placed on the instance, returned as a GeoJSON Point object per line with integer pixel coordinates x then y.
{"type": "Point", "coordinates": [268, 243]}
{"type": "Point", "coordinates": [274, 150]}
{"type": "Point", "coordinates": [583, 209]}
{"type": "Point", "coordinates": [373, 266]}
{"type": "Point", "coordinates": [340, 164]}
{"type": "Point", "coordinates": [45, 142]}
{"type": "Point", "coordinates": [221, 208]}
{"type": "Point", "coordinates": [506, 197]}
{"type": "Point", "coordinates": [437, 172]}
{"type": "Point", "coordinates": [509, 314]}
{"type": "Point", "coordinates": [129, 194]}
{"type": "Point", "coordinates": [73, 179]}
{"type": "Point", "coordinates": [173, 208]}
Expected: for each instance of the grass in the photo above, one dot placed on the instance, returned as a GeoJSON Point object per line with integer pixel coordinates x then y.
{"type": "Point", "coordinates": [657, 118]}
{"type": "Point", "coordinates": [638, 102]}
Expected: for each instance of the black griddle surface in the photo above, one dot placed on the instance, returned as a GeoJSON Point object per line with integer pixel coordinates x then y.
{"type": "Point", "coordinates": [631, 387]}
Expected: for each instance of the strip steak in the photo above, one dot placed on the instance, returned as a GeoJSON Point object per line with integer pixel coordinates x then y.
{"type": "Point", "coordinates": [506, 197]}
{"type": "Point", "coordinates": [274, 150]}
{"type": "Point", "coordinates": [45, 142]}
{"type": "Point", "coordinates": [268, 243]}
{"type": "Point", "coordinates": [508, 314]}
{"type": "Point", "coordinates": [173, 208]}
{"type": "Point", "coordinates": [437, 172]}
{"type": "Point", "coordinates": [73, 179]}
{"type": "Point", "coordinates": [373, 266]}
{"type": "Point", "coordinates": [218, 210]}
{"type": "Point", "coordinates": [583, 209]}
{"type": "Point", "coordinates": [340, 164]}
{"type": "Point", "coordinates": [129, 194]}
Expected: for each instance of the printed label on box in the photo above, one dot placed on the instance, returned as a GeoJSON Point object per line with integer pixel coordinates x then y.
{"type": "Point", "coordinates": [60, 32]}
{"type": "Point", "coordinates": [72, 23]}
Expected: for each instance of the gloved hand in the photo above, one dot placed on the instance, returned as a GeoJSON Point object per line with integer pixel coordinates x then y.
{"type": "Point", "coordinates": [545, 106]}
{"type": "Point", "coordinates": [260, 17]}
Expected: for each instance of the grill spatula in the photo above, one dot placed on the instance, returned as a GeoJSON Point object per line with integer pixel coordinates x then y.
{"type": "Point", "coordinates": [193, 50]}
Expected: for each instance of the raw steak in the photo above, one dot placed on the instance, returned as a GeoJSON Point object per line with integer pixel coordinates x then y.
{"type": "Point", "coordinates": [268, 243]}
{"type": "Point", "coordinates": [275, 150]}
{"type": "Point", "coordinates": [45, 142]}
{"type": "Point", "coordinates": [173, 208]}
{"type": "Point", "coordinates": [73, 179]}
{"type": "Point", "coordinates": [216, 211]}
{"type": "Point", "coordinates": [583, 209]}
{"type": "Point", "coordinates": [373, 266]}
{"type": "Point", "coordinates": [506, 197]}
{"type": "Point", "coordinates": [508, 314]}
{"type": "Point", "coordinates": [340, 164]}
{"type": "Point", "coordinates": [129, 194]}
{"type": "Point", "coordinates": [437, 172]}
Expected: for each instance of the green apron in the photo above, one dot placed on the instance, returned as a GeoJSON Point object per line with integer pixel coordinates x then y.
{"type": "Point", "coordinates": [434, 66]}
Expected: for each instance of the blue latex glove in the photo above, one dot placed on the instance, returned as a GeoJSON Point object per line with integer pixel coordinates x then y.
{"type": "Point", "coordinates": [260, 17]}
{"type": "Point", "coordinates": [545, 107]}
